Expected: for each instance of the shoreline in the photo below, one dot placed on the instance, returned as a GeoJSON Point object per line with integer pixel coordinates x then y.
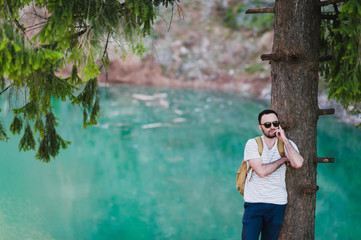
{"type": "Point", "coordinates": [323, 101]}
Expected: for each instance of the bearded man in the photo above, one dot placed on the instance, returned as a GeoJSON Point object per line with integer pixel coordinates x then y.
{"type": "Point", "coordinates": [265, 192]}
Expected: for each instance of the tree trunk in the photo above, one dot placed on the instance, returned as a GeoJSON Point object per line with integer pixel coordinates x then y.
{"type": "Point", "coordinates": [294, 97]}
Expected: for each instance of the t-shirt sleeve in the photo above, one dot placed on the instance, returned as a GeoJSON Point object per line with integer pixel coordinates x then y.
{"type": "Point", "coordinates": [294, 146]}
{"type": "Point", "coordinates": [251, 150]}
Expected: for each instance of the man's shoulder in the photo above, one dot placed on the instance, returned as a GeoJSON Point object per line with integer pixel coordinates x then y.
{"type": "Point", "coordinates": [251, 150]}
{"type": "Point", "coordinates": [251, 143]}
{"type": "Point", "coordinates": [251, 140]}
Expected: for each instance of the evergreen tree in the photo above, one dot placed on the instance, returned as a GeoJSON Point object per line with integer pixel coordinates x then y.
{"type": "Point", "coordinates": [341, 41]}
{"type": "Point", "coordinates": [75, 32]}
{"type": "Point", "coordinates": [295, 63]}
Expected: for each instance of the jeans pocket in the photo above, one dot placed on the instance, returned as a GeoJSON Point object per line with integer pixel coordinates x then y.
{"type": "Point", "coordinates": [246, 214]}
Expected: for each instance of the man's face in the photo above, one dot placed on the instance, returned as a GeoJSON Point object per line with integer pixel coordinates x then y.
{"type": "Point", "coordinates": [268, 132]}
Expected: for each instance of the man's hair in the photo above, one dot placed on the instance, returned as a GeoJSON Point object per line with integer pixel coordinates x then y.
{"type": "Point", "coordinates": [264, 112]}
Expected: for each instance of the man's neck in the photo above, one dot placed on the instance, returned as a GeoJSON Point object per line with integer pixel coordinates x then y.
{"type": "Point", "coordinates": [269, 141]}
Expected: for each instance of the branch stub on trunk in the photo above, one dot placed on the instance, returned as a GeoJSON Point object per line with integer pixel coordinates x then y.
{"type": "Point", "coordinates": [274, 56]}
{"type": "Point", "coordinates": [328, 111]}
{"type": "Point", "coordinates": [329, 16]}
{"type": "Point", "coordinates": [325, 3]}
{"type": "Point", "coordinates": [278, 56]}
{"type": "Point", "coordinates": [310, 189]}
{"type": "Point", "coordinates": [325, 160]}
{"type": "Point", "coordinates": [260, 10]}
{"type": "Point", "coordinates": [324, 58]}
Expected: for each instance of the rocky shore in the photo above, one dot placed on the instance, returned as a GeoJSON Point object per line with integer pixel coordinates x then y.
{"type": "Point", "coordinates": [197, 50]}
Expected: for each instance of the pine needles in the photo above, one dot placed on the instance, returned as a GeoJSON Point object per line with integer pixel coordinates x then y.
{"type": "Point", "coordinates": [65, 32]}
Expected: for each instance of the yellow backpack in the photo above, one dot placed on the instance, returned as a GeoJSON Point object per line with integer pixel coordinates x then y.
{"type": "Point", "coordinates": [243, 170]}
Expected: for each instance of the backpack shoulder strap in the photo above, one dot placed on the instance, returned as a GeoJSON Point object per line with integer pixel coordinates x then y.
{"type": "Point", "coordinates": [260, 145]}
{"type": "Point", "coordinates": [260, 150]}
{"type": "Point", "coordinates": [281, 148]}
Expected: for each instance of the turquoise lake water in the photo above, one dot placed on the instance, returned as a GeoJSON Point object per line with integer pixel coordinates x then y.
{"type": "Point", "coordinates": [161, 168]}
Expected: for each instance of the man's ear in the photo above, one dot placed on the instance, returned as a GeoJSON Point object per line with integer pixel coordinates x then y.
{"type": "Point", "coordinates": [260, 127]}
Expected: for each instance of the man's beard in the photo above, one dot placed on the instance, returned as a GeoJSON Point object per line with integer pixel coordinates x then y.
{"type": "Point", "coordinates": [268, 135]}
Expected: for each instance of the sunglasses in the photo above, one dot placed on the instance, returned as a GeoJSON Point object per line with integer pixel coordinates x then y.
{"type": "Point", "coordinates": [268, 124]}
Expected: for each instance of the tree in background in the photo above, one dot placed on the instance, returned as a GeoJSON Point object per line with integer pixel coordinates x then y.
{"type": "Point", "coordinates": [62, 32]}
{"type": "Point", "coordinates": [341, 48]}
{"type": "Point", "coordinates": [295, 61]}
{"type": "Point", "coordinates": [340, 43]}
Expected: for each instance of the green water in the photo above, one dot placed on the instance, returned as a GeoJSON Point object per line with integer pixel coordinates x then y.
{"type": "Point", "coordinates": [174, 179]}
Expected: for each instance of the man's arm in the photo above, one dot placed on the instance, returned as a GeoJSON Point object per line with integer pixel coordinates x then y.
{"type": "Point", "coordinates": [264, 170]}
{"type": "Point", "coordinates": [295, 159]}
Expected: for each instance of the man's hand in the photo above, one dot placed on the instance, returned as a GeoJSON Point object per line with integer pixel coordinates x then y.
{"type": "Point", "coordinates": [293, 157]}
{"type": "Point", "coordinates": [285, 159]}
{"type": "Point", "coordinates": [280, 133]}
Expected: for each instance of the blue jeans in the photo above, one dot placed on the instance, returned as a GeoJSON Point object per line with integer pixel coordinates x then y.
{"type": "Point", "coordinates": [264, 218]}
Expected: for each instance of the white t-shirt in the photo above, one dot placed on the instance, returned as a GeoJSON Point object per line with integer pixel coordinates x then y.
{"type": "Point", "coordinates": [269, 189]}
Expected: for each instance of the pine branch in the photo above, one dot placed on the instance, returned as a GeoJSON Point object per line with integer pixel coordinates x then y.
{"type": "Point", "coordinates": [16, 23]}
{"type": "Point", "coordinates": [38, 15]}
{"type": "Point", "coordinates": [6, 88]}
{"type": "Point", "coordinates": [171, 18]}
{"type": "Point", "coordinates": [325, 3]}
{"type": "Point", "coordinates": [35, 26]}
{"type": "Point", "coordinates": [105, 52]}
{"type": "Point", "coordinates": [336, 9]}
{"type": "Point", "coordinates": [106, 45]}
{"type": "Point", "coordinates": [74, 36]}
{"type": "Point", "coordinates": [180, 11]}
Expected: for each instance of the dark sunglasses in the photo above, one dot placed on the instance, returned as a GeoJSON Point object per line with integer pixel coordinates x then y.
{"type": "Point", "coordinates": [268, 124]}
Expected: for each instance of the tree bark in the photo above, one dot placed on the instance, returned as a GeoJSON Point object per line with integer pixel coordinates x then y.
{"type": "Point", "coordinates": [294, 97]}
